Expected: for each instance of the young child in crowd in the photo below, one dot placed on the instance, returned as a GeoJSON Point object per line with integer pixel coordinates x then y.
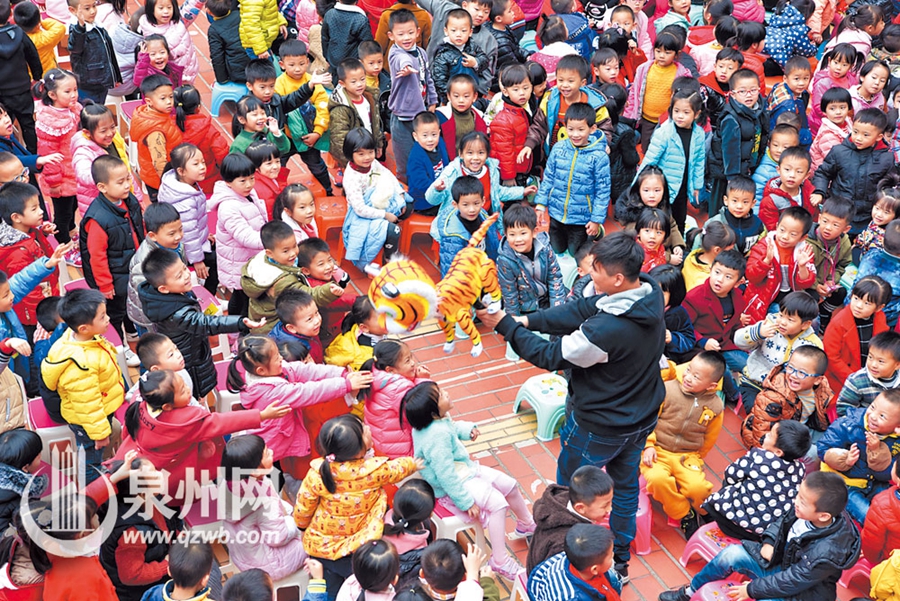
{"type": "Point", "coordinates": [851, 329]}
{"type": "Point", "coordinates": [715, 237]}
{"type": "Point", "coordinates": [45, 34]}
{"type": "Point", "coordinates": [449, 573]}
{"type": "Point", "coordinates": [226, 51]}
{"type": "Point", "coordinates": [20, 459]}
{"type": "Point", "coordinates": [689, 422]}
{"type": "Point", "coordinates": [378, 82]}
{"type": "Point", "coordinates": [427, 159]}
{"type": "Point", "coordinates": [412, 85]}
{"type": "Point", "coordinates": [509, 129]}
{"type": "Point", "coordinates": [783, 136]}
{"type": "Point", "coordinates": [181, 187]}
{"type": "Point", "coordinates": [880, 535]}
{"type": "Point", "coordinates": [197, 128]}
{"type": "Point", "coordinates": [832, 254]}
{"type": "Point", "coordinates": [157, 351]}
{"type": "Point", "coordinates": [299, 320]}
{"type": "Point", "coordinates": [552, 33]}
{"type": "Point", "coordinates": [154, 58]}
{"type": "Point", "coordinates": [790, 189]}
{"type": "Point", "coordinates": [154, 130]}
{"type": "Point", "coordinates": [879, 374]}
{"type": "Point", "coordinates": [296, 206]}
{"type": "Point", "coordinates": [873, 77]}
{"type": "Point", "coordinates": [253, 124]}
{"type": "Point", "coordinates": [50, 328]}
{"type": "Point", "coordinates": [361, 329]}
{"type": "Point", "coordinates": [458, 53]}
{"type": "Point", "coordinates": [861, 446]}
{"type": "Point", "coordinates": [166, 18]}
{"type": "Point", "coordinates": [652, 228]}
{"type": "Point", "coordinates": [10, 143]}
{"type": "Point", "coordinates": [529, 274]}
{"type": "Point", "coordinates": [716, 83]}
{"type": "Point", "coordinates": [189, 566]}
{"type": "Point", "coordinates": [837, 69]}
{"type": "Point", "coordinates": [738, 214]}
{"type": "Point", "coordinates": [885, 210]}
{"type": "Point", "coordinates": [459, 117]}
{"type": "Point", "coordinates": [457, 227]}
{"type": "Point", "coordinates": [680, 336]}
{"type": "Point", "coordinates": [352, 106]}
{"type": "Point", "coordinates": [587, 500]}
{"type": "Point", "coordinates": [649, 190]}
{"type": "Point", "coordinates": [342, 502]}
{"type": "Point", "coordinates": [791, 95]}
{"type": "Point", "coordinates": [623, 155]}
{"type": "Point", "coordinates": [859, 28]}
{"type": "Point", "coordinates": [376, 569]}
{"type": "Point", "coordinates": [581, 35]}
{"type": "Point", "coordinates": [436, 439]}
{"type": "Point", "coordinates": [584, 567]}
{"type": "Point", "coordinates": [87, 42]}
{"type": "Point", "coordinates": [815, 526]}
{"type": "Point", "coordinates": [320, 269]}
{"type": "Point", "coordinates": [835, 126]}
{"type": "Point", "coordinates": [408, 526]}
{"type": "Point", "coordinates": [885, 262]}
{"type": "Point", "coordinates": [738, 508]}
{"type": "Point", "coordinates": [509, 52]}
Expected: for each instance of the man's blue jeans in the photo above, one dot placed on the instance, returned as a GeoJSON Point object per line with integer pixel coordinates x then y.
{"type": "Point", "coordinates": [621, 456]}
{"type": "Point", "coordinates": [731, 559]}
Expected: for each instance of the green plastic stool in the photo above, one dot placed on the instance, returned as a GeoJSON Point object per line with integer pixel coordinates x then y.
{"type": "Point", "coordinates": [547, 395]}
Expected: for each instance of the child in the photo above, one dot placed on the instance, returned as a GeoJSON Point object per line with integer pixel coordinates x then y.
{"type": "Point", "coordinates": [261, 24]}
{"type": "Point", "coordinates": [861, 447]}
{"type": "Point", "coordinates": [782, 137]}
{"type": "Point", "coordinates": [458, 226]}
{"type": "Point", "coordinates": [86, 403]}
{"type": "Point", "coordinates": [154, 130]}
{"type": "Point", "coordinates": [509, 129]}
{"type": "Point", "coordinates": [509, 52]}
{"type": "Point", "coordinates": [623, 154]}
{"type": "Point", "coordinates": [296, 207]}
{"type": "Point", "coordinates": [835, 124]}
{"type": "Point", "coordinates": [412, 85]}
{"type": "Point", "coordinates": [270, 178]}
{"type": "Point", "coordinates": [853, 169]}
{"type": "Point", "coordinates": [851, 329]}
{"type": "Point", "coordinates": [885, 210]}
{"type": "Point", "coordinates": [832, 255]}
{"type": "Point", "coordinates": [241, 214]}
{"type": "Point", "coordinates": [790, 95]}
{"type": "Point", "coordinates": [50, 328]}
{"type": "Point", "coordinates": [256, 584]}
{"type": "Point", "coordinates": [197, 129]}
{"type": "Point", "coordinates": [378, 82]}
{"type": "Point", "coordinates": [837, 69]}
{"type": "Point", "coordinates": [427, 159]}
{"type": "Point", "coordinates": [458, 117]}
{"type": "Point", "coordinates": [873, 76]}
{"type": "Point", "coordinates": [20, 459]}
{"type": "Point", "coordinates": [92, 54]}
{"type": "Point", "coordinates": [738, 214]}
{"type": "Point", "coordinates": [649, 190]}
{"type": "Point", "coordinates": [409, 528]}
{"type": "Point", "coordinates": [449, 573]}
{"type": "Point", "coordinates": [157, 352]}
{"type": "Point", "coordinates": [879, 373]}
{"type": "Point", "coordinates": [652, 229]}
{"type": "Point", "coordinates": [586, 500]}
{"type": "Point", "coordinates": [742, 130]}
{"type": "Point", "coordinates": [621, 40]}
{"type": "Point", "coordinates": [790, 189]}
{"type": "Point", "coordinates": [99, 136]}
{"type": "Point", "coordinates": [57, 123]}
{"type": "Point", "coordinates": [376, 199]}
{"type": "Point", "coordinates": [880, 536]}
{"type": "Point", "coordinates": [376, 568]}
{"type": "Point", "coordinates": [788, 37]}
{"type": "Point", "coordinates": [111, 231]}
{"type": "Point", "coordinates": [422, 16]}
{"type": "Point", "coordinates": [126, 43]}
{"type": "Point", "coordinates": [576, 214]}
{"type": "Point", "coordinates": [530, 277]}
{"type": "Point", "coordinates": [164, 230]}
{"type": "Point", "coordinates": [715, 237]}
{"type": "Point", "coordinates": [299, 320]}
{"type": "Point", "coordinates": [253, 124]}
{"type": "Point", "coordinates": [650, 92]}
{"type": "Point", "coordinates": [582, 571]}
{"type": "Point", "coordinates": [885, 262]}
{"type": "Point", "coordinates": [394, 372]}
{"type": "Point", "coordinates": [678, 14]}
{"type": "Point", "coordinates": [352, 106]}
{"type": "Point", "coordinates": [716, 82]}
{"type": "Point", "coordinates": [436, 440]}
{"type": "Point", "coordinates": [176, 436]}
{"type": "Point", "coordinates": [859, 28]}
{"type": "Point", "coordinates": [166, 18]}
{"type": "Point", "coordinates": [581, 35]}
{"type": "Point", "coordinates": [360, 331]}
{"type": "Point", "coordinates": [343, 29]}
{"type": "Point", "coordinates": [189, 566]}
{"type": "Point", "coordinates": [750, 513]}
{"type": "Point", "coordinates": [552, 34]}
{"type": "Point", "coordinates": [226, 50]}
{"type": "Point", "coordinates": [780, 263]}
{"type": "Point", "coordinates": [342, 502]}
{"type": "Point", "coordinates": [458, 53]}
{"type": "Point", "coordinates": [680, 337]}
{"type": "Point", "coordinates": [320, 269]}
{"type": "Point", "coordinates": [689, 423]}
{"type": "Point", "coordinates": [814, 527]}
{"type": "Point", "coordinates": [678, 147]}
{"type": "Point", "coordinates": [180, 188]}
{"type": "Point", "coordinates": [45, 34]}
{"type": "Point", "coordinates": [154, 59]}
{"type": "Point", "coordinates": [795, 391]}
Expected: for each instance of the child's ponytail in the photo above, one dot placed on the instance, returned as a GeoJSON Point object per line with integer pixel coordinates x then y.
{"type": "Point", "coordinates": [157, 389]}
{"type": "Point", "coordinates": [187, 101]}
{"type": "Point", "coordinates": [361, 312]}
{"type": "Point", "coordinates": [860, 17]}
{"type": "Point", "coordinates": [253, 352]}
{"type": "Point", "coordinates": [385, 354]}
{"type": "Point", "coordinates": [846, 52]}
{"type": "Point", "coordinates": [412, 509]}
{"type": "Point", "coordinates": [287, 200]}
{"type": "Point", "coordinates": [340, 439]}
{"type": "Point", "coordinates": [716, 233]}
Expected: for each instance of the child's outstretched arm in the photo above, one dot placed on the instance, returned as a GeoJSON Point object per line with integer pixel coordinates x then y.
{"type": "Point", "coordinates": [21, 284]}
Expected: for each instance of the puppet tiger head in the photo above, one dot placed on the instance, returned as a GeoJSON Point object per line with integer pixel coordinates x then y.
{"type": "Point", "coordinates": [403, 295]}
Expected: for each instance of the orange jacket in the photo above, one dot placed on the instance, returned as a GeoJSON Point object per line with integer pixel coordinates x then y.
{"type": "Point", "coordinates": [144, 122]}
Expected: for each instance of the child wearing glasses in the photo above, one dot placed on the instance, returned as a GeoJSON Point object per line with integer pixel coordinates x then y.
{"type": "Point", "coordinates": [772, 340]}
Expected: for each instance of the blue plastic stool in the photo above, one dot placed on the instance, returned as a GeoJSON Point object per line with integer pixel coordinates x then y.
{"type": "Point", "coordinates": [547, 395]}
{"type": "Point", "coordinates": [226, 91]}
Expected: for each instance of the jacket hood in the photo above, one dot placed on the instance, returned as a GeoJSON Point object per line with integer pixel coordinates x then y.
{"type": "Point", "coordinates": [160, 307]}
{"type": "Point", "coordinates": [10, 235]}
{"type": "Point", "coordinates": [709, 80]}
{"type": "Point", "coordinates": [553, 509]}
{"type": "Point", "coordinates": [11, 37]}
{"type": "Point", "coordinates": [124, 40]}
{"type": "Point", "coordinates": [221, 193]}
{"type": "Point", "coordinates": [13, 483]}
{"type": "Point", "coordinates": [789, 17]}
{"type": "Point", "coordinates": [643, 304]}
{"type": "Point", "coordinates": [262, 274]}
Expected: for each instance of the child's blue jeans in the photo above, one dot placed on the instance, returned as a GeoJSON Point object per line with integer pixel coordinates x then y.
{"type": "Point", "coordinates": [93, 456]}
{"type": "Point", "coordinates": [402, 141]}
{"type": "Point", "coordinates": [733, 558]}
{"type": "Point", "coordinates": [858, 499]}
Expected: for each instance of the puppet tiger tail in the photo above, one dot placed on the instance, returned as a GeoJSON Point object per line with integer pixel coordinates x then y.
{"type": "Point", "coordinates": [482, 231]}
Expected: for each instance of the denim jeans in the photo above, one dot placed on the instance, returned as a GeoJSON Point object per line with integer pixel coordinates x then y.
{"type": "Point", "coordinates": [402, 141]}
{"type": "Point", "coordinates": [93, 456]}
{"type": "Point", "coordinates": [621, 456]}
{"type": "Point", "coordinates": [858, 500]}
{"type": "Point", "coordinates": [735, 361]}
{"type": "Point", "coordinates": [731, 559]}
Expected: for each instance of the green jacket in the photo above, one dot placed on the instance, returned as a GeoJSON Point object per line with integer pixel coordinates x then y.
{"type": "Point", "coordinates": [345, 117]}
{"type": "Point", "coordinates": [245, 139]}
{"type": "Point", "coordinates": [828, 265]}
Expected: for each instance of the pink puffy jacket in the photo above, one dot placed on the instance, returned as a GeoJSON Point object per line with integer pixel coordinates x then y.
{"type": "Point", "coordinates": [749, 10]}
{"type": "Point", "coordinates": [181, 47]}
{"type": "Point", "coordinates": [55, 129]}
{"type": "Point", "coordinates": [300, 385]}
{"type": "Point", "coordinates": [237, 231]}
{"type": "Point", "coordinates": [84, 151]}
{"type": "Point", "coordinates": [382, 414]}
{"type": "Point", "coordinates": [307, 16]}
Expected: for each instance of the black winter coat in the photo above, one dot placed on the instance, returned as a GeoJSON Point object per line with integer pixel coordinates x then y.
{"type": "Point", "coordinates": [179, 317]}
{"type": "Point", "coordinates": [739, 141]}
{"type": "Point", "coordinates": [854, 174]}
{"type": "Point", "coordinates": [17, 52]}
{"type": "Point", "coordinates": [623, 160]}
{"type": "Point", "coordinates": [446, 60]}
{"type": "Point", "coordinates": [508, 50]}
{"type": "Point", "coordinates": [226, 51]}
{"type": "Point", "coordinates": [811, 563]}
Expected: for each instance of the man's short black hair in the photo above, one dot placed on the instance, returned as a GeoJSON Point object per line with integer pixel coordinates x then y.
{"type": "Point", "coordinates": [587, 483]}
{"type": "Point", "coordinates": [260, 69]}
{"type": "Point", "coordinates": [442, 565]}
{"type": "Point", "coordinates": [793, 437]}
{"type": "Point", "coordinates": [800, 304]}
{"type": "Point", "coordinates": [587, 545]}
{"type": "Point", "coordinates": [159, 214]}
{"type": "Point", "coordinates": [308, 249]}
{"type": "Point", "coordinates": [619, 252]}
{"type": "Point", "coordinates": [156, 263]}
{"type": "Point", "coordinates": [465, 186]}
{"type": "Point", "coordinates": [275, 232]}
{"type": "Point", "coordinates": [520, 214]}
{"type": "Point", "coordinates": [190, 563]}
{"type": "Point", "coordinates": [79, 307]}
{"type": "Point", "coordinates": [732, 259]}
{"type": "Point", "coordinates": [799, 214]}
{"type": "Point", "coordinates": [830, 491]}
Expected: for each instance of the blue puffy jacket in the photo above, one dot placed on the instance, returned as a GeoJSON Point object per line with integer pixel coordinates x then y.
{"type": "Point", "coordinates": [575, 188]}
{"type": "Point", "coordinates": [454, 237]}
{"type": "Point", "coordinates": [667, 153]}
{"type": "Point", "coordinates": [21, 284]}
{"type": "Point", "coordinates": [766, 170]}
{"type": "Point", "coordinates": [851, 429]}
{"type": "Point", "coordinates": [522, 294]}
{"type": "Point", "coordinates": [581, 37]}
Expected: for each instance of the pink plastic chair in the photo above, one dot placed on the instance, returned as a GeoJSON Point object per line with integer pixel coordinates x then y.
{"type": "Point", "coordinates": [75, 285]}
{"type": "Point", "coordinates": [643, 522]}
{"type": "Point", "coordinates": [707, 541]}
{"type": "Point", "coordinates": [862, 568]}
{"type": "Point", "coordinates": [520, 588]}
{"type": "Point", "coordinates": [53, 435]}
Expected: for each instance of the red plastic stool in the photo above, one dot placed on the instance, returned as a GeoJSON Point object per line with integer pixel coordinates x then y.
{"type": "Point", "coordinates": [861, 568]}
{"type": "Point", "coordinates": [706, 542]}
{"type": "Point", "coordinates": [417, 224]}
{"type": "Point", "coordinates": [330, 214]}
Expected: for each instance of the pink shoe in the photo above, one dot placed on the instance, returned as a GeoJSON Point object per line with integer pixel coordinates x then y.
{"type": "Point", "coordinates": [510, 568]}
{"type": "Point", "coordinates": [522, 531]}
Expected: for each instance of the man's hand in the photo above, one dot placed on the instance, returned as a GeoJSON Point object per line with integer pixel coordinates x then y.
{"type": "Point", "coordinates": [649, 457]}
{"type": "Point", "coordinates": [488, 319]}
{"type": "Point", "coordinates": [524, 155]}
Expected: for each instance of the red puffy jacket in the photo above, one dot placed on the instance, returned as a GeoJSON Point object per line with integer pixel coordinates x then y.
{"type": "Point", "coordinates": [18, 250]}
{"type": "Point", "coordinates": [200, 131]}
{"type": "Point", "coordinates": [882, 531]}
{"type": "Point", "coordinates": [509, 129]}
{"type": "Point", "coordinates": [765, 280]}
{"type": "Point", "coordinates": [841, 341]}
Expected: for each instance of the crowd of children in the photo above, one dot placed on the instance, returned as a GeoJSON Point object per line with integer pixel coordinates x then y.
{"type": "Point", "coordinates": [752, 158]}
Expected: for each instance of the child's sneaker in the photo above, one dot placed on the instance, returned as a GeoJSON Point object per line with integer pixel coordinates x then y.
{"type": "Point", "coordinates": [509, 570]}
{"type": "Point", "coordinates": [522, 531]}
{"type": "Point", "coordinates": [131, 360]}
{"type": "Point", "coordinates": [73, 257]}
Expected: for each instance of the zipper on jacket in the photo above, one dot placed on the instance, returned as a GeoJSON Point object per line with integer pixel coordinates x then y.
{"type": "Point", "coordinates": [569, 186]}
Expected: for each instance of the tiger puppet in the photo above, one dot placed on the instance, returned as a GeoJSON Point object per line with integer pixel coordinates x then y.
{"type": "Point", "coordinates": [405, 296]}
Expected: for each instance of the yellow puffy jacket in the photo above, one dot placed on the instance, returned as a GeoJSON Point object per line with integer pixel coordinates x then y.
{"type": "Point", "coordinates": [885, 578]}
{"type": "Point", "coordinates": [87, 377]}
{"type": "Point", "coordinates": [260, 21]}
{"type": "Point", "coordinates": [284, 85]}
{"type": "Point", "coordinates": [346, 351]}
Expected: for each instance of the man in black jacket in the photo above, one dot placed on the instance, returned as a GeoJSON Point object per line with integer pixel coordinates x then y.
{"type": "Point", "coordinates": [613, 344]}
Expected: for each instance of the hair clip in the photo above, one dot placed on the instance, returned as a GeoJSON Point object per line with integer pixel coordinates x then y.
{"type": "Point", "coordinates": [329, 457]}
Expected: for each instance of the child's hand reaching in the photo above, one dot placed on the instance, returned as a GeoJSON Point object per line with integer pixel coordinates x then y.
{"type": "Point", "coordinates": [54, 158]}
{"type": "Point", "coordinates": [420, 463]}
{"type": "Point", "coordinates": [529, 190]}
{"type": "Point", "coordinates": [48, 228]}
{"type": "Point", "coordinates": [473, 560]}
{"type": "Point", "coordinates": [320, 79]}
{"type": "Point", "coordinates": [274, 411]}
{"type": "Point", "coordinates": [474, 512]}
{"type": "Point", "coordinates": [649, 457]}
{"type": "Point", "coordinates": [254, 324]}
{"type": "Point", "coordinates": [20, 346]}
{"type": "Point", "coordinates": [315, 569]}
{"type": "Point", "coordinates": [335, 289]}
{"type": "Point", "coordinates": [406, 70]}
{"type": "Point", "coordinates": [359, 380]}
{"type": "Point", "coordinates": [677, 256]}
{"type": "Point", "coordinates": [58, 254]}
{"type": "Point", "coordinates": [524, 155]}
{"type": "Point", "coordinates": [272, 125]}
{"type": "Point", "coordinates": [124, 470]}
